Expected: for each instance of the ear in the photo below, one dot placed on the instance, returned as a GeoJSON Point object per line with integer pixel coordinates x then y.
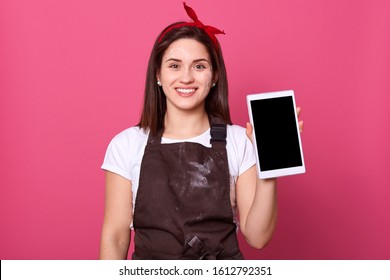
{"type": "Point", "coordinates": [215, 78]}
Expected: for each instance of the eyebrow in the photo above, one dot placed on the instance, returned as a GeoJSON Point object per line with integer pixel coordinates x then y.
{"type": "Point", "coordinates": [195, 61]}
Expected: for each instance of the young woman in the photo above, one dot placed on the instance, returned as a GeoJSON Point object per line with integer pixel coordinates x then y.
{"type": "Point", "coordinates": [183, 173]}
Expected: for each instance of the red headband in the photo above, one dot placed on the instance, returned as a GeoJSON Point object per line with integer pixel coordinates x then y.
{"type": "Point", "coordinates": [210, 30]}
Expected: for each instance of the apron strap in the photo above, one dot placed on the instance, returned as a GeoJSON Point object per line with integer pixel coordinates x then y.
{"type": "Point", "coordinates": [156, 138]}
{"type": "Point", "coordinates": [201, 250]}
{"type": "Point", "coordinates": [217, 132]}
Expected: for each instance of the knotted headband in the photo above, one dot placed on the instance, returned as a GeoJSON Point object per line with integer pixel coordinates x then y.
{"type": "Point", "coordinates": [210, 30]}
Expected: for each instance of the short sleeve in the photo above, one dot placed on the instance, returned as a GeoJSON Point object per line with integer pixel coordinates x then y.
{"type": "Point", "coordinates": [117, 158]}
{"type": "Point", "coordinates": [248, 156]}
{"type": "Point", "coordinates": [240, 151]}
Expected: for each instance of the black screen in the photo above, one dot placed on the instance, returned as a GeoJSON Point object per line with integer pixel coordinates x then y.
{"type": "Point", "coordinates": [276, 133]}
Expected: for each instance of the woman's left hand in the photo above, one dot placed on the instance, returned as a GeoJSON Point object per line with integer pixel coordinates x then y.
{"type": "Point", "coordinates": [299, 109]}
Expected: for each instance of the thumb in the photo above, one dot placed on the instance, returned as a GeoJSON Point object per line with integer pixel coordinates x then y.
{"type": "Point", "coordinates": [249, 131]}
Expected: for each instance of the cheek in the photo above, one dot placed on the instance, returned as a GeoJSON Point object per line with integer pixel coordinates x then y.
{"type": "Point", "coordinates": [207, 78]}
{"type": "Point", "coordinates": [165, 76]}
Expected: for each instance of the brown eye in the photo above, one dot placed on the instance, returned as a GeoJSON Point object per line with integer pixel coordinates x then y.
{"type": "Point", "coordinates": [200, 67]}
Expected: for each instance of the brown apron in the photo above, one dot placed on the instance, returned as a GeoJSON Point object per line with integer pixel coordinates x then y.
{"type": "Point", "coordinates": [182, 209]}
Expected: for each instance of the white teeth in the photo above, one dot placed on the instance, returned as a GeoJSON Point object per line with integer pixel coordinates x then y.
{"type": "Point", "coordinates": [185, 90]}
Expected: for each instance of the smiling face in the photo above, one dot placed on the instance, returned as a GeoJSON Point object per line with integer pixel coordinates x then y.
{"type": "Point", "coordinates": [186, 75]}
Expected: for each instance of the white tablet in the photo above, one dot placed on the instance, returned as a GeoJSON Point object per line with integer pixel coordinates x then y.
{"type": "Point", "coordinates": [276, 134]}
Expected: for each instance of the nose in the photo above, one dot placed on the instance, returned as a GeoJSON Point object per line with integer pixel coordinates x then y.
{"type": "Point", "coordinates": [187, 76]}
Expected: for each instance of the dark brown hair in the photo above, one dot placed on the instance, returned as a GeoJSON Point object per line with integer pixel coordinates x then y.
{"type": "Point", "coordinates": [154, 107]}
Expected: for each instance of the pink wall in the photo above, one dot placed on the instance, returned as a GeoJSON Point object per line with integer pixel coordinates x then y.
{"type": "Point", "coordinates": [72, 75]}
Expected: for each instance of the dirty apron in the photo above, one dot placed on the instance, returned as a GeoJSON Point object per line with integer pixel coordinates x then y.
{"type": "Point", "coordinates": [182, 209]}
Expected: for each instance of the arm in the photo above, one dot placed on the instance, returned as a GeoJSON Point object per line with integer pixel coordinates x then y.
{"type": "Point", "coordinates": [118, 216]}
{"type": "Point", "coordinates": [257, 207]}
{"type": "Point", "coordinates": [257, 203]}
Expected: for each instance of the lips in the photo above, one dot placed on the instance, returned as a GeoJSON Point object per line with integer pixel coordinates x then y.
{"type": "Point", "coordinates": [186, 90]}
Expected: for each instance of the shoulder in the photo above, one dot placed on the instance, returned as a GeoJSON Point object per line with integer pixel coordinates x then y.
{"type": "Point", "coordinates": [128, 143]}
{"type": "Point", "coordinates": [130, 137]}
{"type": "Point", "coordinates": [235, 128]}
{"type": "Point", "coordinates": [125, 151]}
{"type": "Point", "coordinates": [236, 133]}
{"type": "Point", "coordinates": [131, 132]}
{"type": "Point", "coordinates": [240, 150]}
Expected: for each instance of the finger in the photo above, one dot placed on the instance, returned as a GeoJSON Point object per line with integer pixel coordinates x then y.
{"type": "Point", "coordinates": [299, 109]}
{"type": "Point", "coordinates": [300, 126]}
{"type": "Point", "coordinates": [249, 131]}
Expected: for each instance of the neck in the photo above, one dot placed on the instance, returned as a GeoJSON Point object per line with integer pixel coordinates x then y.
{"type": "Point", "coordinates": [185, 125]}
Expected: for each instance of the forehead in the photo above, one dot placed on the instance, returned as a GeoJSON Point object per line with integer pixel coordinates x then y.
{"type": "Point", "coordinates": [186, 49]}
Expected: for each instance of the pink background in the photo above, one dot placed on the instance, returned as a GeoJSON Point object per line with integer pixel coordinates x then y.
{"type": "Point", "coordinates": [72, 75]}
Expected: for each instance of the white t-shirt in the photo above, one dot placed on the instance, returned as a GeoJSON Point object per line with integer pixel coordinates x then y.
{"type": "Point", "coordinates": [125, 152]}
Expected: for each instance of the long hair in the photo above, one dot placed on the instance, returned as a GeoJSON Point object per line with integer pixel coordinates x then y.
{"type": "Point", "coordinates": [154, 107]}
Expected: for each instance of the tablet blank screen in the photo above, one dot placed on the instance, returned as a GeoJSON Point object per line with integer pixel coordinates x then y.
{"type": "Point", "coordinates": [276, 133]}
